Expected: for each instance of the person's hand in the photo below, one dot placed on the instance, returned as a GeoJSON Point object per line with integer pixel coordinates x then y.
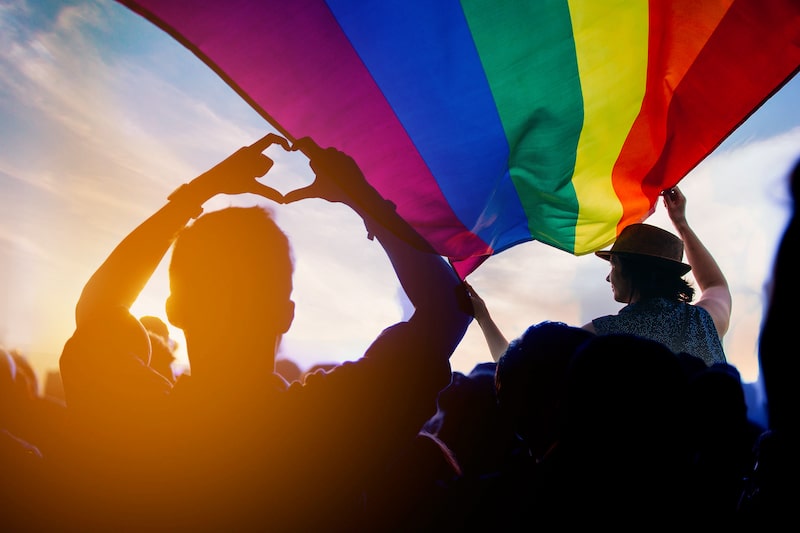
{"type": "Point", "coordinates": [675, 202]}
{"type": "Point", "coordinates": [479, 309]}
{"type": "Point", "coordinates": [338, 177]}
{"type": "Point", "coordinates": [239, 172]}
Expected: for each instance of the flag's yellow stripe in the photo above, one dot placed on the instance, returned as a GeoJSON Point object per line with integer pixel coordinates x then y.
{"type": "Point", "coordinates": [611, 48]}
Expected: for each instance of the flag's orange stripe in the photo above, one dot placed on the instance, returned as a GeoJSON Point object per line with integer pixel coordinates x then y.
{"type": "Point", "coordinates": [678, 32]}
{"type": "Point", "coordinates": [713, 99]}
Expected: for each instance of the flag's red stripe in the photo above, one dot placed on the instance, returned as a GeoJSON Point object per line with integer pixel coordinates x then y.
{"type": "Point", "coordinates": [713, 97]}
{"type": "Point", "coordinates": [678, 31]}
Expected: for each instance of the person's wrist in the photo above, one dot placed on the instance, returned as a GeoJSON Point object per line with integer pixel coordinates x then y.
{"type": "Point", "coordinates": [681, 226]}
{"type": "Point", "coordinates": [190, 197]}
{"type": "Point", "coordinates": [378, 212]}
{"type": "Point", "coordinates": [365, 199]}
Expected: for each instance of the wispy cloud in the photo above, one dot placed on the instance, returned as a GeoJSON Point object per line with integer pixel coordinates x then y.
{"type": "Point", "coordinates": [103, 127]}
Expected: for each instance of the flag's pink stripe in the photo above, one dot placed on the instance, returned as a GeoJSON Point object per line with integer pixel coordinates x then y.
{"type": "Point", "coordinates": [291, 60]}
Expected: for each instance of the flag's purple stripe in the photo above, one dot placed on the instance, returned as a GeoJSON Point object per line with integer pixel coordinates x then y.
{"type": "Point", "coordinates": [291, 60]}
{"type": "Point", "coordinates": [422, 56]}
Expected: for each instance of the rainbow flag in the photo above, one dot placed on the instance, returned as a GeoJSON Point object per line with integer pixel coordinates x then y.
{"type": "Point", "coordinates": [491, 124]}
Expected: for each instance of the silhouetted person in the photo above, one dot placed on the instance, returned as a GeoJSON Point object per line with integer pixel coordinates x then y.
{"type": "Point", "coordinates": [23, 485]}
{"type": "Point", "coordinates": [771, 496]}
{"type": "Point", "coordinates": [623, 456]}
{"type": "Point", "coordinates": [531, 376]}
{"type": "Point", "coordinates": [530, 380]}
{"type": "Point", "coordinates": [469, 421]}
{"type": "Point", "coordinates": [723, 440]}
{"type": "Point", "coordinates": [417, 490]}
{"type": "Point", "coordinates": [288, 369]}
{"type": "Point", "coordinates": [37, 418]}
{"type": "Point", "coordinates": [647, 275]}
{"type": "Point", "coordinates": [318, 367]}
{"type": "Point", "coordinates": [162, 346]}
{"type": "Point", "coordinates": [231, 447]}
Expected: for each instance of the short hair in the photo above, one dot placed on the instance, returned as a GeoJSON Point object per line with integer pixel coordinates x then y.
{"type": "Point", "coordinates": [236, 250]}
{"type": "Point", "coordinates": [654, 279]}
{"type": "Point", "coordinates": [620, 381]}
{"type": "Point", "coordinates": [536, 362]}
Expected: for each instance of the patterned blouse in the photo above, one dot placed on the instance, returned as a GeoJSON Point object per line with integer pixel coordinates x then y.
{"type": "Point", "coordinates": [680, 326]}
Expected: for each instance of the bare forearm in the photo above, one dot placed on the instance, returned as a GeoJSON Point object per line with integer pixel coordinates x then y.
{"type": "Point", "coordinates": [494, 337]}
{"type": "Point", "coordinates": [716, 295]}
{"type": "Point", "coordinates": [705, 269]}
{"type": "Point", "coordinates": [126, 271]}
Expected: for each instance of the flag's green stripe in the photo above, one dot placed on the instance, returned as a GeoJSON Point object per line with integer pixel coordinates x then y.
{"type": "Point", "coordinates": [527, 53]}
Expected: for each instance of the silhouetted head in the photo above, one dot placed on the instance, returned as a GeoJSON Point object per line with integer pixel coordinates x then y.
{"type": "Point", "coordinates": [163, 347]}
{"type": "Point", "coordinates": [288, 369]}
{"type": "Point", "coordinates": [530, 379]}
{"type": "Point", "coordinates": [469, 422]}
{"type": "Point", "coordinates": [718, 390]}
{"type": "Point", "coordinates": [8, 376]}
{"type": "Point", "coordinates": [633, 278]}
{"type": "Point", "coordinates": [646, 262]}
{"type": "Point", "coordinates": [155, 325]}
{"type": "Point", "coordinates": [625, 393]}
{"type": "Point", "coordinates": [26, 375]}
{"type": "Point", "coordinates": [232, 270]}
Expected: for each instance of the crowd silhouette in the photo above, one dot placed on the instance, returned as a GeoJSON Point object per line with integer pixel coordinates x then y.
{"type": "Point", "coordinates": [564, 426]}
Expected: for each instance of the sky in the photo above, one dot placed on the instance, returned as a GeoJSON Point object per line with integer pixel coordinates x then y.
{"type": "Point", "coordinates": [102, 115]}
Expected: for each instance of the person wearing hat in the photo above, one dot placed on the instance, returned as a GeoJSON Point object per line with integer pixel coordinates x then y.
{"type": "Point", "coordinates": [647, 274]}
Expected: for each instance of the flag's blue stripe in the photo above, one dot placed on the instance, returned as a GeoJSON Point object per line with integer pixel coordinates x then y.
{"type": "Point", "coordinates": [422, 56]}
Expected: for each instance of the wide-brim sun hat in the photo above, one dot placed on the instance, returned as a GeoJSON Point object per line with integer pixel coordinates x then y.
{"type": "Point", "coordinates": [649, 242]}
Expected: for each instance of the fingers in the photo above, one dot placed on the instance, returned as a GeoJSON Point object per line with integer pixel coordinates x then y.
{"type": "Point", "coordinates": [268, 140]}
{"type": "Point", "coordinates": [262, 166]}
{"type": "Point", "coordinates": [673, 198]}
{"type": "Point", "coordinates": [324, 160]}
{"type": "Point", "coordinates": [268, 192]}
{"type": "Point", "coordinates": [669, 193]}
{"type": "Point", "coordinates": [473, 296]}
{"type": "Point", "coordinates": [299, 194]}
{"type": "Point", "coordinates": [251, 161]}
{"type": "Point", "coordinates": [307, 145]}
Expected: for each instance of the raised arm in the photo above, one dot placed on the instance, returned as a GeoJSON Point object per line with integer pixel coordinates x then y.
{"type": "Point", "coordinates": [123, 275]}
{"type": "Point", "coordinates": [437, 294]}
{"type": "Point", "coordinates": [104, 365]}
{"type": "Point", "coordinates": [715, 294]}
{"type": "Point", "coordinates": [495, 339]}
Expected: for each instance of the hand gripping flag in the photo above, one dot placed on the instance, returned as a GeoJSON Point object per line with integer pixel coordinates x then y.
{"type": "Point", "coordinates": [489, 124]}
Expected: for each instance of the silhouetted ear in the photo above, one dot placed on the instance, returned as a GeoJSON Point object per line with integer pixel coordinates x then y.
{"type": "Point", "coordinates": [174, 315]}
{"type": "Point", "coordinates": [285, 320]}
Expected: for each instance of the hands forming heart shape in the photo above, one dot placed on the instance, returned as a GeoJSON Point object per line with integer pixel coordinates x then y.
{"type": "Point", "coordinates": [337, 179]}
{"type": "Point", "coordinates": [337, 176]}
